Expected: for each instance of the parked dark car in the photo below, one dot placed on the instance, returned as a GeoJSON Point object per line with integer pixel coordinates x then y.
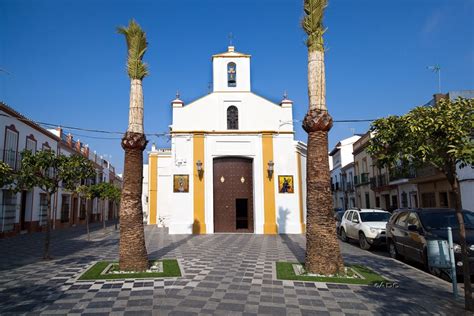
{"type": "Point", "coordinates": [338, 216]}
{"type": "Point", "coordinates": [409, 229]}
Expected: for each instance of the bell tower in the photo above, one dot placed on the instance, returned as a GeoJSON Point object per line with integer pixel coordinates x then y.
{"type": "Point", "coordinates": [231, 71]}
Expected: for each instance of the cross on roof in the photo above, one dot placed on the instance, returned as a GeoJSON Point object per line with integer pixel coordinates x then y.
{"type": "Point", "coordinates": [231, 37]}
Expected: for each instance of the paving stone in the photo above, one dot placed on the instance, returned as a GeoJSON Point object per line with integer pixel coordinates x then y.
{"type": "Point", "coordinates": [225, 274]}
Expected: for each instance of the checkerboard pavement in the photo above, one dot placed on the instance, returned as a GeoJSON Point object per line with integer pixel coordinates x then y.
{"type": "Point", "coordinates": [224, 274]}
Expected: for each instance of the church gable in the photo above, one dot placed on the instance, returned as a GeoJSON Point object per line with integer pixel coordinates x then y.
{"type": "Point", "coordinates": [232, 107]}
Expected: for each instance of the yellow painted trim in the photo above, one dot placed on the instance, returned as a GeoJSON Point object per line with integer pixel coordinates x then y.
{"type": "Point", "coordinates": [231, 132]}
{"type": "Point", "coordinates": [199, 224]}
{"type": "Point", "coordinates": [153, 187]}
{"type": "Point", "coordinates": [269, 226]}
{"type": "Point", "coordinates": [300, 192]}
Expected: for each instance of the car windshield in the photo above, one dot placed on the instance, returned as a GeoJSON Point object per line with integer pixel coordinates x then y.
{"type": "Point", "coordinates": [374, 216]}
{"type": "Point", "coordinates": [436, 220]}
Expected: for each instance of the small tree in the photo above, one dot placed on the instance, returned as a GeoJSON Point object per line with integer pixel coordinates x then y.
{"type": "Point", "coordinates": [6, 174]}
{"type": "Point", "coordinates": [49, 171]}
{"type": "Point", "coordinates": [86, 192]}
{"type": "Point", "coordinates": [106, 191]}
{"type": "Point", "coordinates": [442, 136]}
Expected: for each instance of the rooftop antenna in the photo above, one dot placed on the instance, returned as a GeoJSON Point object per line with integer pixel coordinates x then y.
{"type": "Point", "coordinates": [285, 95]}
{"type": "Point", "coordinates": [231, 37]}
{"type": "Point", "coordinates": [436, 69]}
{"type": "Point", "coordinates": [177, 94]}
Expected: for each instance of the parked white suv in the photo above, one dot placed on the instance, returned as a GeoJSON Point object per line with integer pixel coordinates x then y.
{"type": "Point", "coordinates": [365, 225]}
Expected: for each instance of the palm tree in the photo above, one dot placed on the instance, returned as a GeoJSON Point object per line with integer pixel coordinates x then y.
{"type": "Point", "coordinates": [133, 254]}
{"type": "Point", "coordinates": [323, 255]}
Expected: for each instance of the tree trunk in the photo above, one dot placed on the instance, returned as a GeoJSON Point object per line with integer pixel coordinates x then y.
{"type": "Point", "coordinates": [47, 237]}
{"type": "Point", "coordinates": [115, 214]}
{"type": "Point", "coordinates": [323, 255]}
{"type": "Point", "coordinates": [135, 114]}
{"type": "Point", "coordinates": [316, 80]}
{"type": "Point", "coordinates": [87, 221]}
{"type": "Point", "coordinates": [133, 253]}
{"type": "Point", "coordinates": [468, 301]}
{"type": "Point", "coordinates": [103, 214]}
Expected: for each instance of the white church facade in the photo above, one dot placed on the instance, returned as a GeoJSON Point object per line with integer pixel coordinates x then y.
{"type": "Point", "coordinates": [234, 164]}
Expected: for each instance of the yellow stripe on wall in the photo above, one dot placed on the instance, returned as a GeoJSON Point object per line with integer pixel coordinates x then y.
{"type": "Point", "coordinates": [153, 187]}
{"type": "Point", "coordinates": [269, 226]}
{"type": "Point", "coordinates": [300, 192]}
{"type": "Point", "coordinates": [199, 225]}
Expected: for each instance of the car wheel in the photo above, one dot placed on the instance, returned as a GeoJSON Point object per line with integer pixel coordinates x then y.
{"type": "Point", "coordinates": [343, 234]}
{"type": "Point", "coordinates": [364, 244]}
{"type": "Point", "coordinates": [392, 250]}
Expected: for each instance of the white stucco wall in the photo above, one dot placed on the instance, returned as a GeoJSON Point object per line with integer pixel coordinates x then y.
{"type": "Point", "coordinates": [255, 113]}
{"type": "Point", "coordinates": [219, 74]}
{"type": "Point", "coordinates": [466, 184]}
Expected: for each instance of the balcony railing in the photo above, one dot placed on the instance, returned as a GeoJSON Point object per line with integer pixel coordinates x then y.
{"type": "Point", "coordinates": [402, 172]}
{"type": "Point", "coordinates": [348, 186]}
{"type": "Point", "coordinates": [364, 178]}
{"type": "Point", "coordinates": [379, 181]}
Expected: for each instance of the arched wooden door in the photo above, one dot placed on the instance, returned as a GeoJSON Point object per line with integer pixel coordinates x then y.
{"type": "Point", "coordinates": [233, 195]}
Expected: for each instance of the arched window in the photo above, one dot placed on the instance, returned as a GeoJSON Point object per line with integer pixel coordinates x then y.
{"type": "Point", "coordinates": [231, 74]}
{"type": "Point", "coordinates": [232, 117]}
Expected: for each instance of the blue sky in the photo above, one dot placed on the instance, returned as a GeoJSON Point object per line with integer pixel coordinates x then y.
{"type": "Point", "coordinates": [66, 63]}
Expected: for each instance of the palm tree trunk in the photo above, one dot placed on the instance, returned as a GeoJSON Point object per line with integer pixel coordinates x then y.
{"type": "Point", "coordinates": [316, 80]}
{"type": "Point", "coordinates": [135, 114]}
{"type": "Point", "coordinates": [133, 253]}
{"type": "Point", "coordinates": [323, 255]}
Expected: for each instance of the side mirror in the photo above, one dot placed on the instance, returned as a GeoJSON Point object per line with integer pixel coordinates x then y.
{"type": "Point", "coordinates": [412, 228]}
{"type": "Point", "coordinates": [355, 220]}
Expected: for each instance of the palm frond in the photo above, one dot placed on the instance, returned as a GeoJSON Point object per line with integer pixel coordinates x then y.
{"type": "Point", "coordinates": [136, 46]}
{"type": "Point", "coordinates": [312, 23]}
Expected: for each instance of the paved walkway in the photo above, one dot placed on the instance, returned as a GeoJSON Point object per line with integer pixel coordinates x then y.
{"type": "Point", "coordinates": [225, 274]}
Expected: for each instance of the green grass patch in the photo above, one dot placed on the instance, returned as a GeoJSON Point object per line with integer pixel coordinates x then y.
{"type": "Point", "coordinates": [285, 272]}
{"type": "Point", "coordinates": [170, 269]}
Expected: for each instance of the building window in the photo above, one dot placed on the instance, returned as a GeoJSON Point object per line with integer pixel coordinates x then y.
{"type": "Point", "coordinates": [367, 200]}
{"type": "Point", "coordinates": [404, 199]}
{"type": "Point", "coordinates": [232, 117]}
{"type": "Point", "coordinates": [65, 208]}
{"type": "Point", "coordinates": [443, 199]}
{"type": "Point", "coordinates": [31, 143]}
{"type": "Point", "coordinates": [231, 74]}
{"type": "Point", "coordinates": [377, 201]}
{"type": "Point", "coordinates": [8, 210]}
{"type": "Point", "coordinates": [428, 199]}
{"type": "Point", "coordinates": [11, 146]}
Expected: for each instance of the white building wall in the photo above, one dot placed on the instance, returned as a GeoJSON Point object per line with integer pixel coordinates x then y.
{"type": "Point", "coordinates": [24, 130]}
{"type": "Point", "coordinates": [255, 113]}
{"type": "Point", "coordinates": [166, 211]}
{"type": "Point", "coordinates": [180, 214]}
{"type": "Point", "coordinates": [220, 73]}
{"type": "Point", "coordinates": [466, 184]}
{"type": "Point", "coordinates": [145, 197]}
{"type": "Point", "coordinates": [287, 204]}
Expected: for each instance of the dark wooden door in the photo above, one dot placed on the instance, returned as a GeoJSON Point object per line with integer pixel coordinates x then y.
{"type": "Point", "coordinates": [233, 195]}
{"type": "Point", "coordinates": [23, 210]}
